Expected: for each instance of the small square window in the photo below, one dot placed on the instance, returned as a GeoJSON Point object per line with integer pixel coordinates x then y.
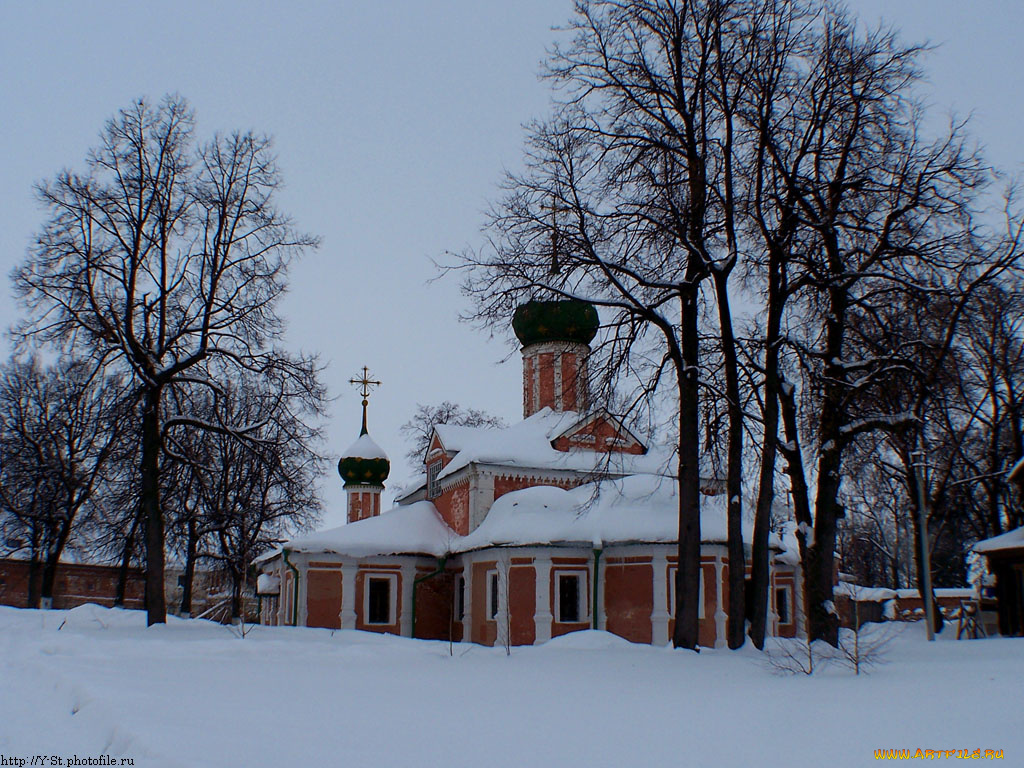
{"type": "Point", "coordinates": [379, 603]}
{"type": "Point", "coordinates": [570, 598]}
{"type": "Point", "coordinates": [782, 604]}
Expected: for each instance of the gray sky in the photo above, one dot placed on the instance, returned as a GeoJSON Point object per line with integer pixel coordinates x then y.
{"type": "Point", "coordinates": [393, 123]}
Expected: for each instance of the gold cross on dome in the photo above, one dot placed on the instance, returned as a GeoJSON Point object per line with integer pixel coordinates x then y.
{"type": "Point", "coordinates": [364, 389]}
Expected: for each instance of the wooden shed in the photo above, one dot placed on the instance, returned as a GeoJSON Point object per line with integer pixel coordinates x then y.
{"type": "Point", "coordinates": [1005, 555]}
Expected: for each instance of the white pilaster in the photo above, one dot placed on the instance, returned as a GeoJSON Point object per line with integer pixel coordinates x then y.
{"type": "Point", "coordinates": [659, 615]}
{"type": "Point", "coordinates": [348, 595]}
{"type": "Point", "coordinates": [282, 598]}
{"type": "Point", "coordinates": [773, 610]}
{"type": "Point", "coordinates": [501, 618]}
{"type": "Point", "coordinates": [481, 497]}
{"type": "Point", "coordinates": [542, 601]}
{"type": "Point", "coordinates": [303, 569]}
{"type": "Point", "coordinates": [720, 615]}
{"type": "Point", "coordinates": [559, 401]}
{"type": "Point", "coordinates": [408, 580]}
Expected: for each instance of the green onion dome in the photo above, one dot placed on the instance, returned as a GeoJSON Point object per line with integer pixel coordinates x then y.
{"type": "Point", "coordinates": [564, 320]}
{"type": "Point", "coordinates": [364, 463]}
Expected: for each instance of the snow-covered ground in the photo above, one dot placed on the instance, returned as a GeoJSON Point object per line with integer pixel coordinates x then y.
{"type": "Point", "coordinates": [92, 681]}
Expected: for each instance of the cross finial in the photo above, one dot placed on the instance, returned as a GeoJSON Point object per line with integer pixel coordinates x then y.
{"type": "Point", "coordinates": [364, 389]}
{"type": "Point", "coordinates": [553, 207]}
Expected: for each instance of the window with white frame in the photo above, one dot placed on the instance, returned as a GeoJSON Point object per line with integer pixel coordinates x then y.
{"type": "Point", "coordinates": [782, 604]}
{"type": "Point", "coordinates": [379, 598]}
{"type": "Point", "coordinates": [672, 571]}
{"type": "Point", "coordinates": [570, 605]}
{"type": "Point", "coordinates": [433, 486]}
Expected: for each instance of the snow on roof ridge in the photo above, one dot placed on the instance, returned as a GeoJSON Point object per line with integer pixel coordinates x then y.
{"type": "Point", "coordinates": [412, 529]}
{"type": "Point", "coordinates": [364, 448]}
{"type": "Point", "coordinates": [1010, 540]}
{"type": "Point", "coordinates": [632, 509]}
{"type": "Point", "coordinates": [527, 445]}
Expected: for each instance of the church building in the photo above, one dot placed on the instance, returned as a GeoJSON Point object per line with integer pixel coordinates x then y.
{"type": "Point", "coordinates": [564, 521]}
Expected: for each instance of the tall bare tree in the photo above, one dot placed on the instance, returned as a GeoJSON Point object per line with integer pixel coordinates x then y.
{"type": "Point", "coordinates": [164, 260]}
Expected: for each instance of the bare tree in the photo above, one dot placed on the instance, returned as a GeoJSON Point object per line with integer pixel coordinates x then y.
{"type": "Point", "coordinates": [420, 427]}
{"type": "Point", "coordinates": [59, 430]}
{"type": "Point", "coordinates": [638, 171]}
{"type": "Point", "coordinates": [165, 261]}
{"type": "Point", "coordinates": [249, 487]}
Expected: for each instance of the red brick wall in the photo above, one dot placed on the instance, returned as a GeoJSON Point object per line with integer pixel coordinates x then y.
{"type": "Point", "coordinates": [504, 484]}
{"type": "Point", "coordinates": [434, 603]}
{"type": "Point", "coordinates": [539, 390]}
{"type": "Point", "coordinates": [629, 599]}
{"type": "Point", "coordinates": [600, 435]}
{"type": "Point", "coordinates": [484, 631]}
{"type": "Point", "coordinates": [323, 598]}
{"type": "Point", "coordinates": [522, 604]}
{"type": "Point", "coordinates": [362, 504]}
{"type": "Point", "coordinates": [75, 584]}
{"type": "Point", "coordinates": [706, 630]}
{"type": "Point", "coordinates": [453, 506]}
{"type": "Point", "coordinates": [573, 384]}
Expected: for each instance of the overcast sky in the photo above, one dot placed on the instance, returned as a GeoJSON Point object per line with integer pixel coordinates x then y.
{"type": "Point", "coordinates": [393, 122]}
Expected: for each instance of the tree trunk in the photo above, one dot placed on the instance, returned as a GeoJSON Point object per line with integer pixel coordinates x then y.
{"type": "Point", "coordinates": [912, 483]}
{"type": "Point", "coordinates": [760, 557]}
{"type": "Point", "coordinates": [687, 627]}
{"type": "Point", "coordinates": [126, 561]}
{"type": "Point", "coordinates": [156, 609]}
{"type": "Point", "coordinates": [53, 559]}
{"type": "Point", "coordinates": [799, 489]}
{"type": "Point", "coordinates": [734, 469]}
{"type": "Point", "coordinates": [190, 569]}
{"type": "Point", "coordinates": [34, 580]}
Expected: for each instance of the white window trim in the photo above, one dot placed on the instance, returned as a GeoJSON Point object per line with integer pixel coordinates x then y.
{"type": "Point", "coordinates": [672, 569]}
{"type": "Point", "coordinates": [392, 578]}
{"type": "Point", "coordinates": [491, 609]}
{"type": "Point", "coordinates": [584, 608]}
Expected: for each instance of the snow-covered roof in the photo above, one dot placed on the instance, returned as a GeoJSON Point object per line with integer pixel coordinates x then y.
{"type": "Point", "coordinates": [912, 593]}
{"type": "Point", "coordinates": [455, 437]}
{"type": "Point", "coordinates": [1010, 540]}
{"type": "Point", "coordinates": [864, 594]}
{"type": "Point", "coordinates": [638, 508]}
{"type": "Point", "coordinates": [364, 448]}
{"type": "Point", "coordinates": [633, 509]}
{"type": "Point", "coordinates": [412, 529]}
{"type": "Point", "coordinates": [268, 584]}
{"type": "Point", "coordinates": [527, 444]}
